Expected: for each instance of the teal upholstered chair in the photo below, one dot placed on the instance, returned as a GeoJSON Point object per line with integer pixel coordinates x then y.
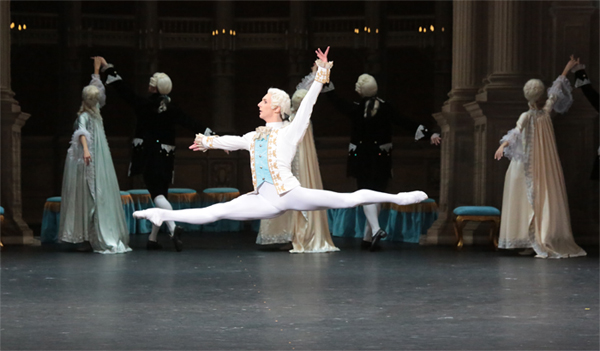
{"type": "Point", "coordinates": [51, 220]}
{"type": "Point", "coordinates": [141, 201]}
{"type": "Point", "coordinates": [476, 214]}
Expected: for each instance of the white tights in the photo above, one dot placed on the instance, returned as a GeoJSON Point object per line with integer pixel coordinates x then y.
{"type": "Point", "coordinates": [161, 202]}
{"type": "Point", "coordinates": [268, 204]}
{"type": "Point", "coordinates": [372, 225]}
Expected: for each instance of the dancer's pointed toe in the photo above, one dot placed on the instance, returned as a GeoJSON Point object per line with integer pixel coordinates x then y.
{"type": "Point", "coordinates": [151, 214]}
{"type": "Point", "coordinates": [413, 197]}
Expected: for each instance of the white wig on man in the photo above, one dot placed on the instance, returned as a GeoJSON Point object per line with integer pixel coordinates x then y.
{"type": "Point", "coordinates": [366, 85]}
{"type": "Point", "coordinates": [533, 90]}
{"type": "Point", "coordinates": [161, 82]}
{"type": "Point", "coordinates": [280, 98]}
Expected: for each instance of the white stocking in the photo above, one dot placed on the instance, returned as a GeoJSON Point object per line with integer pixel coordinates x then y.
{"type": "Point", "coordinates": [372, 214]}
{"type": "Point", "coordinates": [154, 233]}
{"type": "Point", "coordinates": [161, 202]}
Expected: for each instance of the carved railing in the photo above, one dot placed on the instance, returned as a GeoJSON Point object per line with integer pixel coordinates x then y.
{"type": "Point", "coordinates": [108, 23]}
{"type": "Point", "coordinates": [185, 25]}
{"type": "Point", "coordinates": [251, 33]}
{"type": "Point", "coordinates": [408, 23]}
{"type": "Point", "coordinates": [336, 25]}
{"type": "Point", "coordinates": [261, 25]}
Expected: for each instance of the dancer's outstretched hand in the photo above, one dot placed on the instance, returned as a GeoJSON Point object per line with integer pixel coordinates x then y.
{"type": "Point", "coordinates": [196, 147]}
{"type": "Point", "coordinates": [322, 56]}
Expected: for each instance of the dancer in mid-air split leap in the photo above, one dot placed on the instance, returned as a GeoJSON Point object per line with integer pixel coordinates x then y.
{"type": "Point", "coordinates": [272, 149]}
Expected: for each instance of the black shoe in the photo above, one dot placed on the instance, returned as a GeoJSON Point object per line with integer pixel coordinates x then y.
{"type": "Point", "coordinates": [378, 236]}
{"type": "Point", "coordinates": [153, 245]}
{"type": "Point", "coordinates": [365, 245]}
{"type": "Point", "coordinates": [176, 237]}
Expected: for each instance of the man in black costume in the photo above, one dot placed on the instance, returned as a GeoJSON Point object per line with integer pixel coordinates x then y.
{"type": "Point", "coordinates": [582, 81]}
{"type": "Point", "coordinates": [153, 145]}
{"type": "Point", "coordinates": [370, 149]}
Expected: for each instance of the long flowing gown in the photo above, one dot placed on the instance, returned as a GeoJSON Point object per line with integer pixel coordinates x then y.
{"type": "Point", "coordinates": [535, 210]}
{"type": "Point", "coordinates": [91, 208]}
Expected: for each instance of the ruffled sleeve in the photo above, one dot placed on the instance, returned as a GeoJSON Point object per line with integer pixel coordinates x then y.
{"type": "Point", "coordinates": [559, 96]}
{"type": "Point", "coordinates": [514, 149]}
{"type": "Point", "coordinates": [98, 84]}
{"type": "Point", "coordinates": [76, 149]}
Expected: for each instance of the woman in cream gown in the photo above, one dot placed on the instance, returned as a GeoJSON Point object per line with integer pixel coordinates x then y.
{"type": "Point", "coordinates": [91, 209]}
{"type": "Point", "coordinates": [307, 231]}
{"type": "Point", "coordinates": [535, 210]}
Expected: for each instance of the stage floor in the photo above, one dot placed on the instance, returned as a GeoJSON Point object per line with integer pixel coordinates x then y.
{"type": "Point", "coordinates": [224, 292]}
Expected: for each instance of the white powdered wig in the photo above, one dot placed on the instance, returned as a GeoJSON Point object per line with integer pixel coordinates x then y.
{"type": "Point", "coordinates": [366, 85]}
{"type": "Point", "coordinates": [297, 99]}
{"type": "Point", "coordinates": [162, 82]}
{"type": "Point", "coordinates": [533, 90]}
{"type": "Point", "coordinates": [90, 97]}
{"type": "Point", "coordinates": [280, 98]}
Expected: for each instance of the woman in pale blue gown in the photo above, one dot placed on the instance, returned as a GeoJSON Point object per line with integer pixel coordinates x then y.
{"type": "Point", "coordinates": [91, 210]}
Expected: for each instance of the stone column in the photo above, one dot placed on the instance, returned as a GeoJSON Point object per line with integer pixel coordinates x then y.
{"type": "Point", "coordinates": [457, 127]}
{"type": "Point", "coordinates": [515, 33]}
{"type": "Point", "coordinates": [223, 69]}
{"type": "Point", "coordinates": [577, 131]}
{"type": "Point", "coordinates": [14, 230]}
{"type": "Point", "coordinates": [443, 51]}
{"type": "Point", "coordinates": [299, 52]}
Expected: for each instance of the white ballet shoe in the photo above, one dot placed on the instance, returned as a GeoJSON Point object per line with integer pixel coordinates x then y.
{"type": "Point", "coordinates": [413, 197]}
{"type": "Point", "coordinates": [151, 214]}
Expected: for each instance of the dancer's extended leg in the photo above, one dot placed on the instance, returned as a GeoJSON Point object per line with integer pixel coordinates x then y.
{"type": "Point", "coordinates": [303, 199]}
{"type": "Point", "coordinates": [245, 207]}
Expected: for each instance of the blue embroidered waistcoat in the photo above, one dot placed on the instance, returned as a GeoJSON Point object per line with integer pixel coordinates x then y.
{"type": "Point", "coordinates": [261, 164]}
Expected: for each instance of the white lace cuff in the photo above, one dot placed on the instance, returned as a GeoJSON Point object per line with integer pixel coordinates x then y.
{"type": "Point", "coordinates": [137, 142]}
{"type": "Point", "coordinates": [419, 133]}
{"type": "Point", "coordinates": [205, 142]}
{"type": "Point", "coordinates": [111, 79]}
{"type": "Point", "coordinates": [326, 65]}
{"type": "Point", "coordinates": [561, 91]}
{"type": "Point", "coordinates": [76, 149]}
{"type": "Point", "coordinates": [309, 79]}
{"type": "Point", "coordinates": [580, 83]}
{"type": "Point", "coordinates": [514, 150]}
{"type": "Point", "coordinates": [386, 147]}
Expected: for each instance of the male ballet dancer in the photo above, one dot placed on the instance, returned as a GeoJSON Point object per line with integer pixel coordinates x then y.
{"type": "Point", "coordinates": [272, 150]}
{"type": "Point", "coordinates": [153, 153]}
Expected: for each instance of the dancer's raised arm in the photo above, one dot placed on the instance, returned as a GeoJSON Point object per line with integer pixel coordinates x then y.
{"type": "Point", "coordinates": [298, 126]}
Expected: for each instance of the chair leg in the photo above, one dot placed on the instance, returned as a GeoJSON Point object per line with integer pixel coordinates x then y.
{"type": "Point", "coordinates": [458, 224]}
